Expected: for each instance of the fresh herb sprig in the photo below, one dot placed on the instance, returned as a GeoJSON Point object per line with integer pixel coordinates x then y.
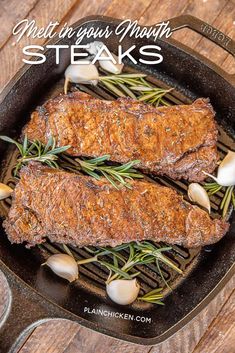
{"type": "Point", "coordinates": [120, 84]}
{"type": "Point", "coordinates": [228, 198]}
{"type": "Point", "coordinates": [153, 95]}
{"type": "Point", "coordinates": [154, 297]}
{"type": "Point", "coordinates": [97, 167]}
{"type": "Point", "coordinates": [140, 253]}
{"type": "Point", "coordinates": [136, 87]}
{"type": "Point", "coordinates": [36, 151]}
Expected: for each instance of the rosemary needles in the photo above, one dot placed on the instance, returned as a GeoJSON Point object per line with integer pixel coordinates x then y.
{"type": "Point", "coordinates": [228, 198]}
{"type": "Point", "coordinates": [154, 297]}
{"type": "Point", "coordinates": [36, 151]}
{"type": "Point", "coordinates": [224, 181]}
{"type": "Point", "coordinates": [136, 87]}
{"type": "Point", "coordinates": [97, 168]}
{"type": "Point", "coordinates": [122, 267]}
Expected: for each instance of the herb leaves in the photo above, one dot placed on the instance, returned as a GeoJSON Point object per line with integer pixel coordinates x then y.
{"type": "Point", "coordinates": [97, 167]}
{"type": "Point", "coordinates": [123, 267]}
{"type": "Point", "coordinates": [228, 198]}
{"type": "Point", "coordinates": [36, 151]}
{"type": "Point", "coordinates": [49, 154]}
{"type": "Point", "coordinates": [136, 87]}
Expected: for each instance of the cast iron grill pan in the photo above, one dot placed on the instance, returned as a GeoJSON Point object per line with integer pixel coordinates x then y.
{"type": "Point", "coordinates": [203, 267]}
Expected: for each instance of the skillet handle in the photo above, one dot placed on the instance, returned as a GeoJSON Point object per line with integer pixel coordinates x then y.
{"type": "Point", "coordinates": [206, 30]}
{"type": "Point", "coordinates": [23, 312]}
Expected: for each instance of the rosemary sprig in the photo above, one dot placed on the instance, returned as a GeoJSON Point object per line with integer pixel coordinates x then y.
{"type": "Point", "coordinates": [140, 253]}
{"type": "Point", "coordinates": [135, 86]}
{"type": "Point", "coordinates": [212, 188]}
{"type": "Point", "coordinates": [36, 151]}
{"type": "Point", "coordinates": [97, 168]}
{"type": "Point", "coordinates": [153, 252]}
{"type": "Point", "coordinates": [228, 198]}
{"type": "Point", "coordinates": [154, 297]}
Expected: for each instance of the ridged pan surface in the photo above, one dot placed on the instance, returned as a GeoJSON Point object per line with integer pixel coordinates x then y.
{"type": "Point", "coordinates": [203, 268]}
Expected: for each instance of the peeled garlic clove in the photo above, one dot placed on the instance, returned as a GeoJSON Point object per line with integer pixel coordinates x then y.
{"type": "Point", "coordinates": [94, 47]}
{"type": "Point", "coordinates": [226, 170]}
{"type": "Point", "coordinates": [123, 291]}
{"type": "Point", "coordinates": [81, 73]}
{"type": "Point", "coordinates": [5, 191]}
{"type": "Point", "coordinates": [109, 66]}
{"type": "Point", "coordinates": [198, 194]}
{"type": "Point", "coordinates": [63, 266]}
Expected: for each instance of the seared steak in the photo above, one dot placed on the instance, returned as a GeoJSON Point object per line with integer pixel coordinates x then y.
{"type": "Point", "coordinates": [177, 141]}
{"type": "Point", "coordinates": [79, 210]}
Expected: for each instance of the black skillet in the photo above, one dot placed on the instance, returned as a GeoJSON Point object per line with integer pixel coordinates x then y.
{"type": "Point", "coordinates": [36, 295]}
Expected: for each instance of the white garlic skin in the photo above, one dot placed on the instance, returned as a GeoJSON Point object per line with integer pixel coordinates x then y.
{"type": "Point", "coordinates": [198, 194]}
{"type": "Point", "coordinates": [109, 66]}
{"type": "Point", "coordinates": [226, 170]}
{"type": "Point", "coordinates": [94, 47]}
{"type": "Point", "coordinates": [5, 191]}
{"type": "Point", "coordinates": [63, 266]}
{"type": "Point", "coordinates": [82, 73]}
{"type": "Point", "coordinates": [123, 291]}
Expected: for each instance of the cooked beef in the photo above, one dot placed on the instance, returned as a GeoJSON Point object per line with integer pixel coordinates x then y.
{"type": "Point", "coordinates": [177, 141]}
{"type": "Point", "coordinates": [80, 210]}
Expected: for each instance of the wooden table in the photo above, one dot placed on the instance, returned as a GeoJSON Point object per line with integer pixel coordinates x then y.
{"type": "Point", "coordinates": [214, 329]}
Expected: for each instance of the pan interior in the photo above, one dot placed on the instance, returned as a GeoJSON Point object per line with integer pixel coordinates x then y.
{"type": "Point", "coordinates": [89, 290]}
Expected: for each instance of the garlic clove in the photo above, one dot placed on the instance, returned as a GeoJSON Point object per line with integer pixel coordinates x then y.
{"type": "Point", "coordinates": [94, 47]}
{"type": "Point", "coordinates": [109, 66]}
{"type": "Point", "coordinates": [123, 291]}
{"type": "Point", "coordinates": [5, 191]}
{"type": "Point", "coordinates": [81, 73]}
{"type": "Point", "coordinates": [198, 194]}
{"type": "Point", "coordinates": [226, 170]}
{"type": "Point", "coordinates": [63, 266]}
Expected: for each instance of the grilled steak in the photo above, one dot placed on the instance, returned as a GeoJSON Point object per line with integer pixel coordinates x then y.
{"type": "Point", "coordinates": [79, 210]}
{"type": "Point", "coordinates": [177, 141]}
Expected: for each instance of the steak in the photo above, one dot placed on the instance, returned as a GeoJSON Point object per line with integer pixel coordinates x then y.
{"type": "Point", "coordinates": [176, 141]}
{"type": "Point", "coordinates": [80, 210]}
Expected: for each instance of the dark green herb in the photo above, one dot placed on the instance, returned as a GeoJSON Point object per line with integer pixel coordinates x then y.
{"type": "Point", "coordinates": [96, 167]}
{"type": "Point", "coordinates": [228, 198]}
{"type": "Point", "coordinates": [153, 297]}
{"type": "Point", "coordinates": [136, 87]}
{"type": "Point", "coordinates": [36, 151]}
{"type": "Point", "coordinates": [140, 253]}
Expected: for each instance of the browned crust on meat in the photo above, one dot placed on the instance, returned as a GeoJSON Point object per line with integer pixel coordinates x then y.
{"type": "Point", "coordinates": [79, 210]}
{"type": "Point", "coordinates": [177, 141]}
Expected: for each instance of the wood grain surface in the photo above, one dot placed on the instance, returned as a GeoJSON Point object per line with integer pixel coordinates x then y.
{"type": "Point", "coordinates": [213, 330]}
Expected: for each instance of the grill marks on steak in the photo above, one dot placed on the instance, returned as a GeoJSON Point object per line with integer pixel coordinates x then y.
{"type": "Point", "coordinates": [79, 210]}
{"type": "Point", "coordinates": [177, 141]}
